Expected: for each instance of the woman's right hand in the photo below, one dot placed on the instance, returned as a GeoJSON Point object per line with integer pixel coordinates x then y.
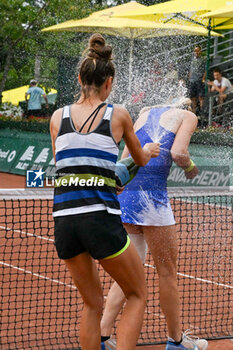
{"type": "Point", "coordinates": [153, 148]}
{"type": "Point", "coordinates": [191, 174]}
{"type": "Point", "coordinates": [119, 189]}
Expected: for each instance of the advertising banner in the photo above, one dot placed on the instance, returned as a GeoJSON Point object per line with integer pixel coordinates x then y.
{"type": "Point", "coordinates": [22, 151]}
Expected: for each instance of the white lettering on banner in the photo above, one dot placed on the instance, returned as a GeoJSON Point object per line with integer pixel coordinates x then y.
{"type": "Point", "coordinates": [172, 175]}
{"type": "Point", "coordinates": [22, 166]}
{"type": "Point", "coordinates": [177, 175]}
{"type": "Point", "coordinates": [42, 157]}
{"type": "Point", "coordinates": [51, 162]}
{"type": "Point", "coordinates": [204, 178]}
{"type": "Point", "coordinates": [197, 178]}
{"type": "Point", "coordinates": [28, 154]}
{"type": "Point", "coordinates": [11, 156]}
{"type": "Point", "coordinates": [223, 179]}
{"type": "Point", "coordinates": [35, 167]}
{"type": "Point", "coordinates": [4, 154]}
{"type": "Point", "coordinates": [214, 178]}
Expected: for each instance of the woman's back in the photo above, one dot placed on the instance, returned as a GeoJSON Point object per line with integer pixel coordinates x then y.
{"type": "Point", "coordinates": [85, 163]}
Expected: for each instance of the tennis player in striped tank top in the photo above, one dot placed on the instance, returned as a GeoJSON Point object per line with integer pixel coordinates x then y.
{"type": "Point", "coordinates": [85, 138]}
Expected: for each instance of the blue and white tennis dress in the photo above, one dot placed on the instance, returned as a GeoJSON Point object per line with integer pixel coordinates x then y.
{"type": "Point", "coordinates": [145, 199]}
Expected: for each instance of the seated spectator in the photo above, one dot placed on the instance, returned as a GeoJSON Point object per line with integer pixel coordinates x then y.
{"type": "Point", "coordinates": [222, 86]}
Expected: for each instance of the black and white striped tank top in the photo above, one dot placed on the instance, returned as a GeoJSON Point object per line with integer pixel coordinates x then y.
{"type": "Point", "coordinates": [85, 168]}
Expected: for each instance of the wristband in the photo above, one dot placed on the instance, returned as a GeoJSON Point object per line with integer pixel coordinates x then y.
{"type": "Point", "coordinates": [190, 168]}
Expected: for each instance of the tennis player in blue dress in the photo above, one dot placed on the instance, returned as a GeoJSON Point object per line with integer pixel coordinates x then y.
{"type": "Point", "coordinates": [149, 220]}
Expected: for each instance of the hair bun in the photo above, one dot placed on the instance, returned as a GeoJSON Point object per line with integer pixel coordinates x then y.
{"type": "Point", "coordinates": [98, 49]}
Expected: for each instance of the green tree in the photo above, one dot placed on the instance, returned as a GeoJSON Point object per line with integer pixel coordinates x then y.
{"type": "Point", "coordinates": [21, 37]}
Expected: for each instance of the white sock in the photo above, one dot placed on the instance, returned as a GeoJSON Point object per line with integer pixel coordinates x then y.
{"type": "Point", "coordinates": [140, 244]}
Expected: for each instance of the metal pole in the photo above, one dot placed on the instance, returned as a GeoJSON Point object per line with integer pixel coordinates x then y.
{"type": "Point", "coordinates": [215, 47]}
{"type": "Point", "coordinates": [231, 44]}
{"type": "Point", "coordinates": [130, 63]}
{"type": "Point", "coordinates": [211, 102]}
{"type": "Point", "coordinates": [208, 54]}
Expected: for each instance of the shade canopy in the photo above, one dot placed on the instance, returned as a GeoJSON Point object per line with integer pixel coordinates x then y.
{"type": "Point", "coordinates": [14, 96]}
{"type": "Point", "coordinates": [182, 12]}
{"type": "Point", "coordinates": [107, 22]}
{"type": "Point", "coordinates": [104, 22]}
{"type": "Point", "coordinates": [185, 12]}
{"type": "Point", "coordinates": [223, 12]}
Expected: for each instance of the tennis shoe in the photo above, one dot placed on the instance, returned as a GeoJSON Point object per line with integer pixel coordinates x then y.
{"type": "Point", "coordinates": [109, 344]}
{"type": "Point", "coordinates": [188, 343]}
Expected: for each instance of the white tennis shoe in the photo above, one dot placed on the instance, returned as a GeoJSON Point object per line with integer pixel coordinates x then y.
{"type": "Point", "coordinates": [109, 344]}
{"type": "Point", "coordinates": [189, 342]}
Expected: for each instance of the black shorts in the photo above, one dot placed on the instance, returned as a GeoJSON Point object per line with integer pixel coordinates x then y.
{"type": "Point", "coordinates": [99, 233]}
{"type": "Point", "coordinates": [197, 89]}
{"type": "Point", "coordinates": [34, 112]}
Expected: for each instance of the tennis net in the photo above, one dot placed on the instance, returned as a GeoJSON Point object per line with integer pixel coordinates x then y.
{"type": "Point", "coordinates": [41, 308]}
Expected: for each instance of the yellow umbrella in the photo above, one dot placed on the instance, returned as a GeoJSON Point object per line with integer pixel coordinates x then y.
{"type": "Point", "coordinates": [186, 12]}
{"type": "Point", "coordinates": [178, 9]}
{"type": "Point", "coordinates": [223, 12]}
{"type": "Point", "coordinates": [14, 96]}
{"type": "Point", "coordinates": [104, 22]}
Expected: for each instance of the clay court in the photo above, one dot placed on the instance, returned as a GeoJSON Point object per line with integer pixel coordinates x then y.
{"type": "Point", "coordinates": [41, 307]}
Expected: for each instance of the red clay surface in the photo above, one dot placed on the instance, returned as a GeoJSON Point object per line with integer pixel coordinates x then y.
{"type": "Point", "coordinates": [213, 345]}
{"type": "Point", "coordinates": [41, 307]}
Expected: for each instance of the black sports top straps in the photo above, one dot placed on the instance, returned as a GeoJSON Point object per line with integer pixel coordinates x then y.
{"type": "Point", "coordinates": [94, 115]}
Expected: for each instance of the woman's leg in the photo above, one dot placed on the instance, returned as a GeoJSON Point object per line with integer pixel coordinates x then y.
{"type": "Point", "coordinates": [127, 270]}
{"type": "Point", "coordinates": [85, 276]}
{"type": "Point", "coordinates": [116, 298]}
{"type": "Point", "coordinates": [162, 243]}
{"type": "Point", "coordinates": [115, 301]}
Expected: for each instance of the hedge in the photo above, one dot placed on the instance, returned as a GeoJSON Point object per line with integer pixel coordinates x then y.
{"type": "Point", "coordinates": [209, 136]}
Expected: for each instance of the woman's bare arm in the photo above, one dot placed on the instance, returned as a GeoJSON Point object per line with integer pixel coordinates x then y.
{"type": "Point", "coordinates": [179, 150]}
{"type": "Point", "coordinates": [55, 122]}
{"type": "Point", "coordinates": [123, 127]}
{"type": "Point", "coordinates": [138, 124]}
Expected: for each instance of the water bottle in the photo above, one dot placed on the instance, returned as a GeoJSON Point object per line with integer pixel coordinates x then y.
{"type": "Point", "coordinates": [125, 171]}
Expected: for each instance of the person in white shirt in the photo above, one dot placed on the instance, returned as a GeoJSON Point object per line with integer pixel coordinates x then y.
{"type": "Point", "coordinates": [221, 85]}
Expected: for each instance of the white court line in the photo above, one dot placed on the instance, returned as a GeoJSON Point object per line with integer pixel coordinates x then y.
{"type": "Point", "coordinates": [180, 274]}
{"type": "Point", "coordinates": [155, 314]}
{"type": "Point", "coordinates": [26, 233]}
{"type": "Point", "coordinates": [37, 275]}
{"type": "Point", "coordinates": [198, 279]}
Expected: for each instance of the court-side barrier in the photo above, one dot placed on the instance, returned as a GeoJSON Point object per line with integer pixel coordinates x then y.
{"type": "Point", "coordinates": [22, 151]}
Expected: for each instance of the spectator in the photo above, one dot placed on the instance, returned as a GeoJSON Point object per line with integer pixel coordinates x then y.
{"type": "Point", "coordinates": [222, 86]}
{"type": "Point", "coordinates": [34, 102]}
{"type": "Point", "coordinates": [197, 76]}
{"type": "Point", "coordinates": [171, 75]}
{"type": "Point", "coordinates": [171, 85]}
